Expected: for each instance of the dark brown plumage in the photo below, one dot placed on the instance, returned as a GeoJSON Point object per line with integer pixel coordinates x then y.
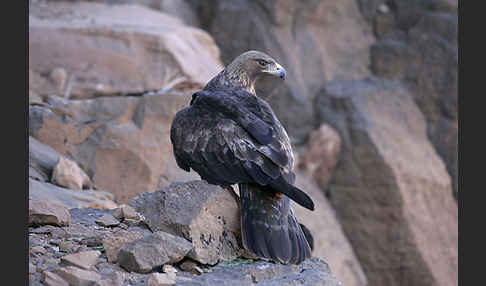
{"type": "Point", "coordinates": [228, 136]}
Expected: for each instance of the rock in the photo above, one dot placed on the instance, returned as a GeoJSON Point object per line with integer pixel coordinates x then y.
{"type": "Point", "coordinates": [103, 204]}
{"type": "Point", "coordinates": [99, 134]}
{"type": "Point", "coordinates": [190, 266]}
{"type": "Point", "coordinates": [84, 228]}
{"type": "Point", "coordinates": [85, 259]}
{"type": "Point", "coordinates": [144, 254]}
{"type": "Point", "coordinates": [107, 220]}
{"type": "Point", "coordinates": [202, 213]}
{"type": "Point", "coordinates": [34, 98]}
{"type": "Point", "coordinates": [46, 262]}
{"type": "Point", "coordinates": [113, 243]}
{"type": "Point", "coordinates": [114, 278]}
{"type": "Point", "coordinates": [330, 241]}
{"type": "Point", "coordinates": [390, 189]}
{"type": "Point", "coordinates": [179, 9]}
{"type": "Point", "coordinates": [311, 272]}
{"type": "Point", "coordinates": [197, 270]}
{"type": "Point", "coordinates": [383, 8]}
{"type": "Point", "coordinates": [315, 41]}
{"type": "Point", "coordinates": [123, 226]}
{"type": "Point", "coordinates": [42, 160]}
{"type": "Point", "coordinates": [46, 229]}
{"type": "Point", "coordinates": [70, 198]}
{"type": "Point", "coordinates": [55, 242]}
{"type": "Point", "coordinates": [91, 241]}
{"type": "Point", "coordinates": [85, 234]}
{"type": "Point", "coordinates": [121, 142]}
{"type": "Point", "coordinates": [112, 49]}
{"type": "Point", "coordinates": [67, 246]}
{"type": "Point", "coordinates": [118, 214]}
{"type": "Point", "coordinates": [77, 276]}
{"type": "Point", "coordinates": [32, 268]}
{"type": "Point", "coordinates": [126, 212]}
{"type": "Point", "coordinates": [47, 212]}
{"type": "Point", "coordinates": [322, 154]}
{"type": "Point", "coordinates": [131, 222]}
{"type": "Point", "coordinates": [160, 279]}
{"type": "Point", "coordinates": [51, 279]}
{"type": "Point", "coordinates": [59, 77]}
{"type": "Point", "coordinates": [38, 250]}
{"type": "Point", "coordinates": [167, 268]}
{"type": "Point", "coordinates": [37, 175]}
{"type": "Point", "coordinates": [434, 82]}
{"type": "Point", "coordinates": [417, 44]}
{"type": "Point", "coordinates": [67, 174]}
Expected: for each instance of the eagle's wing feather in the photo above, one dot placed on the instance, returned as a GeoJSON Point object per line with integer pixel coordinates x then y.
{"type": "Point", "coordinates": [227, 105]}
{"type": "Point", "coordinates": [224, 150]}
{"type": "Point", "coordinates": [255, 116]}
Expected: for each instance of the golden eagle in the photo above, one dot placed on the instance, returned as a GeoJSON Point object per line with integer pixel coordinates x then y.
{"type": "Point", "coordinates": [228, 136]}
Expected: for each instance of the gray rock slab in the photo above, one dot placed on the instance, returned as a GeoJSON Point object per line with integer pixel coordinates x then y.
{"type": "Point", "coordinates": [78, 276]}
{"type": "Point", "coordinates": [202, 213]}
{"type": "Point", "coordinates": [107, 220]}
{"type": "Point", "coordinates": [311, 272]}
{"type": "Point", "coordinates": [70, 198]}
{"type": "Point", "coordinates": [144, 254]}
{"type": "Point", "coordinates": [84, 259]}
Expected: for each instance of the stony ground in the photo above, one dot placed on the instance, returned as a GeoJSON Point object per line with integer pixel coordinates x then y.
{"type": "Point", "coordinates": [80, 254]}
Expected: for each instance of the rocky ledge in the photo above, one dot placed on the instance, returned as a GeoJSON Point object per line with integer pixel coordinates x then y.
{"type": "Point", "coordinates": [168, 237]}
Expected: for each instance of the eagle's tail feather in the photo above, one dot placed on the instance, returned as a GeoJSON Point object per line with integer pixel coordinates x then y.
{"type": "Point", "coordinates": [269, 228]}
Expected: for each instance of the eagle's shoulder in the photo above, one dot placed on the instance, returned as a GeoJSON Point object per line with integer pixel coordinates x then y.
{"type": "Point", "coordinates": [234, 105]}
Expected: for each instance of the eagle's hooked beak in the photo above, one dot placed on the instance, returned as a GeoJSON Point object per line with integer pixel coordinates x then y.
{"type": "Point", "coordinates": [277, 70]}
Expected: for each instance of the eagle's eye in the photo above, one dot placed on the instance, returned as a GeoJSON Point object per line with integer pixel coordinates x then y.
{"type": "Point", "coordinates": [262, 63]}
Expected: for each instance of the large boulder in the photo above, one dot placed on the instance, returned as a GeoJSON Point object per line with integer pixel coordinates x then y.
{"type": "Point", "coordinates": [121, 142]}
{"type": "Point", "coordinates": [391, 191]}
{"type": "Point", "coordinates": [111, 55]}
{"type": "Point", "coordinates": [114, 49]}
{"type": "Point", "coordinates": [204, 214]}
{"type": "Point", "coordinates": [417, 44]}
{"type": "Point", "coordinates": [315, 41]}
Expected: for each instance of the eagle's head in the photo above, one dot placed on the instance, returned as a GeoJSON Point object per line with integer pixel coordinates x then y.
{"type": "Point", "coordinates": [248, 67]}
{"type": "Point", "coordinates": [255, 64]}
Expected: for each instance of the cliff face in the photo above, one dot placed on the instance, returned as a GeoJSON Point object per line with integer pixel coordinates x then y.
{"type": "Point", "coordinates": [370, 104]}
